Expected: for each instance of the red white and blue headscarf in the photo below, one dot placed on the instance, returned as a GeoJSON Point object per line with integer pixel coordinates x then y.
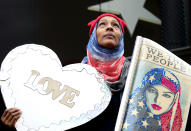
{"type": "Point", "coordinates": [168, 121]}
{"type": "Point", "coordinates": [108, 62]}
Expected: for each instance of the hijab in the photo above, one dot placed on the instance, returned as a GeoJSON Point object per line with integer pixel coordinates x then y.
{"type": "Point", "coordinates": [145, 120]}
{"type": "Point", "coordinates": [109, 62]}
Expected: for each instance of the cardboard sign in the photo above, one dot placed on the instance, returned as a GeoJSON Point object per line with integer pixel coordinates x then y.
{"type": "Point", "coordinates": [158, 94]}
{"type": "Point", "coordinates": [50, 96]}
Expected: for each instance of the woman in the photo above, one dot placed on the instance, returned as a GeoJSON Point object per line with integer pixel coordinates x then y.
{"type": "Point", "coordinates": [106, 47]}
{"type": "Point", "coordinates": [105, 52]}
{"type": "Point", "coordinates": [155, 104]}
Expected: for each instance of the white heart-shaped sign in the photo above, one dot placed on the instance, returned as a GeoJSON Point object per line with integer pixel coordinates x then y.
{"type": "Point", "coordinates": [50, 96]}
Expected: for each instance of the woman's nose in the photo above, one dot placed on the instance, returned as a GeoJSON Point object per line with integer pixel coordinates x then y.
{"type": "Point", "coordinates": [109, 27]}
{"type": "Point", "coordinates": [156, 98]}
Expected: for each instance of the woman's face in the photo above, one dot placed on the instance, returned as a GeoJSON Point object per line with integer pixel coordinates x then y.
{"type": "Point", "coordinates": [159, 99]}
{"type": "Point", "coordinates": [108, 32]}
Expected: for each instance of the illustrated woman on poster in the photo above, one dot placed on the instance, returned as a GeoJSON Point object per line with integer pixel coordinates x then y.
{"type": "Point", "coordinates": [155, 104]}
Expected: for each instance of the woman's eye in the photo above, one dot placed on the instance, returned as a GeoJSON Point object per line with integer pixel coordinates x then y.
{"type": "Point", "coordinates": [152, 90]}
{"type": "Point", "coordinates": [167, 95]}
{"type": "Point", "coordinates": [116, 25]}
{"type": "Point", "coordinates": [101, 24]}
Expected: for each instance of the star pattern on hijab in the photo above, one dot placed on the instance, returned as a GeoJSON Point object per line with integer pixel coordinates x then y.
{"type": "Point", "coordinates": [134, 112]}
{"type": "Point", "coordinates": [126, 125]}
{"type": "Point", "coordinates": [141, 104]}
{"type": "Point", "coordinates": [141, 123]}
{"type": "Point", "coordinates": [151, 115]}
{"type": "Point", "coordinates": [152, 78]}
{"type": "Point", "coordinates": [145, 124]}
{"type": "Point", "coordinates": [131, 100]}
{"type": "Point", "coordinates": [138, 114]}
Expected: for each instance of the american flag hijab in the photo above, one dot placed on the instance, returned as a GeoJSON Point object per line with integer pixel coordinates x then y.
{"type": "Point", "coordinates": [140, 118]}
{"type": "Point", "coordinates": [108, 62]}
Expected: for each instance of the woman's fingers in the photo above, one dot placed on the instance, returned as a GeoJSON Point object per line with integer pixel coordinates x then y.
{"type": "Point", "coordinates": [8, 113]}
{"type": "Point", "coordinates": [14, 119]}
{"type": "Point", "coordinates": [10, 116]}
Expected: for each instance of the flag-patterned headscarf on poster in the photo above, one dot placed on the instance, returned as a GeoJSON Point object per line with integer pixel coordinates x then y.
{"type": "Point", "coordinates": [138, 115]}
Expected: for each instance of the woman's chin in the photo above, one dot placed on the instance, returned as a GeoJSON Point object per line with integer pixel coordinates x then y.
{"type": "Point", "coordinates": [156, 112]}
{"type": "Point", "coordinates": [109, 45]}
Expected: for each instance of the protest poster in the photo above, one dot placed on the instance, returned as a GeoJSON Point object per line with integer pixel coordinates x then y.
{"type": "Point", "coordinates": [157, 94]}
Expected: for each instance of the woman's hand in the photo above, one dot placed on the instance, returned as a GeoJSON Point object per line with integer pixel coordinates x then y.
{"type": "Point", "coordinates": [10, 116]}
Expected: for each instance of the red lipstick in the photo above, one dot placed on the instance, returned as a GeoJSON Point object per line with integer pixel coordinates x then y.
{"type": "Point", "coordinates": [156, 107]}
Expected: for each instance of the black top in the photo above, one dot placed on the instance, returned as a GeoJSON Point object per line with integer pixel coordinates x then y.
{"type": "Point", "coordinates": [107, 119]}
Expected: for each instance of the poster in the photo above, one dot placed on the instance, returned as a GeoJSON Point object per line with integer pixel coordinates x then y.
{"type": "Point", "coordinates": [157, 93]}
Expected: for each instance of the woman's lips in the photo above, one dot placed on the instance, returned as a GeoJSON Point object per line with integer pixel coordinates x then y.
{"type": "Point", "coordinates": [156, 107]}
{"type": "Point", "coordinates": [109, 35]}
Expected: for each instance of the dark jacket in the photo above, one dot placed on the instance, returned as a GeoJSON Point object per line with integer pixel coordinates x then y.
{"type": "Point", "coordinates": [107, 119]}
